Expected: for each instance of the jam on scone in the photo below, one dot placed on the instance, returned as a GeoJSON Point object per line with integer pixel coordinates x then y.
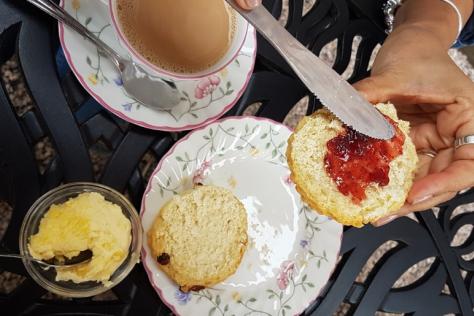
{"type": "Point", "coordinates": [354, 161]}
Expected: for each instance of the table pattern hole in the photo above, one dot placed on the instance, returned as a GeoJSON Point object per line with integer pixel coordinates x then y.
{"type": "Point", "coordinates": [308, 6]}
{"type": "Point", "coordinates": [462, 209]}
{"type": "Point", "coordinates": [100, 153]}
{"type": "Point", "coordinates": [252, 109]}
{"type": "Point", "coordinates": [377, 255]}
{"type": "Point", "coordinates": [5, 215]}
{"type": "Point", "coordinates": [44, 153]}
{"type": "Point", "coordinates": [328, 52]}
{"type": "Point", "coordinates": [283, 19]}
{"type": "Point", "coordinates": [462, 235]}
{"type": "Point", "coordinates": [349, 71]}
{"type": "Point", "coordinates": [15, 86]}
{"type": "Point", "coordinates": [373, 55]}
{"type": "Point", "coordinates": [298, 111]}
{"type": "Point", "coordinates": [147, 164]}
{"type": "Point", "coordinates": [414, 273]}
{"type": "Point", "coordinates": [10, 281]}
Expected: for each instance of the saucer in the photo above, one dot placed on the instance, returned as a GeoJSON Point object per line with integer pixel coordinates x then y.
{"type": "Point", "coordinates": [292, 250]}
{"type": "Point", "coordinates": [202, 100]}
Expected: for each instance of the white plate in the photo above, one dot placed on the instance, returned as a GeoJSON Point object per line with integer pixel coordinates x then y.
{"type": "Point", "coordinates": [202, 101]}
{"type": "Point", "coordinates": [292, 250]}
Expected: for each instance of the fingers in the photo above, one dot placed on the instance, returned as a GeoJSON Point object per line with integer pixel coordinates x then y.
{"type": "Point", "coordinates": [452, 169]}
{"type": "Point", "coordinates": [422, 206]}
{"type": "Point", "coordinates": [426, 136]}
{"type": "Point", "coordinates": [423, 167]}
{"type": "Point", "coordinates": [248, 4]}
{"type": "Point", "coordinates": [456, 177]}
{"type": "Point", "coordinates": [437, 180]}
{"type": "Point", "coordinates": [427, 204]}
{"type": "Point", "coordinates": [457, 119]}
{"type": "Point", "coordinates": [440, 162]}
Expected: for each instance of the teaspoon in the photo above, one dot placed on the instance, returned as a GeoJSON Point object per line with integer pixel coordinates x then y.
{"type": "Point", "coordinates": [145, 88]}
{"type": "Point", "coordinates": [83, 257]}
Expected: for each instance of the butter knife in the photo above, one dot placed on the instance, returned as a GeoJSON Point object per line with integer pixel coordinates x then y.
{"type": "Point", "coordinates": [332, 90]}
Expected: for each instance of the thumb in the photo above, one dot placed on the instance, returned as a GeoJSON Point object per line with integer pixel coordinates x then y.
{"type": "Point", "coordinates": [455, 178]}
{"type": "Point", "coordinates": [375, 89]}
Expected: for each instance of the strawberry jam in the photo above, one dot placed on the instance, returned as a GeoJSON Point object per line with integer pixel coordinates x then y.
{"type": "Point", "coordinates": [354, 160]}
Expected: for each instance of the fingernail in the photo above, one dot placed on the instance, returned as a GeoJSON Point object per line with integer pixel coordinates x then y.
{"type": "Point", "coordinates": [385, 220]}
{"type": "Point", "coordinates": [422, 199]}
{"type": "Point", "coordinates": [252, 3]}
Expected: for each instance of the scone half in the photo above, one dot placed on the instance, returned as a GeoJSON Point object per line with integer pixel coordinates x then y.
{"type": "Point", "coordinates": [307, 148]}
{"type": "Point", "coordinates": [199, 237]}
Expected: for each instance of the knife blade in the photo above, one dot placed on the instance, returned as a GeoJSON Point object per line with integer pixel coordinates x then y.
{"type": "Point", "coordinates": [332, 90]}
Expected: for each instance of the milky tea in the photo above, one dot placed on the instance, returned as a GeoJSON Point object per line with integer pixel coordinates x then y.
{"type": "Point", "coordinates": [179, 36]}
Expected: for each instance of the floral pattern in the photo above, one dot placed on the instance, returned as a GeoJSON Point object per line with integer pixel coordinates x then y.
{"type": "Point", "coordinates": [206, 86]}
{"type": "Point", "coordinates": [304, 243]}
{"type": "Point", "coordinates": [127, 107]}
{"type": "Point", "coordinates": [202, 159]}
{"type": "Point", "coordinates": [288, 180]}
{"type": "Point", "coordinates": [181, 297]}
{"type": "Point", "coordinates": [286, 274]}
{"type": "Point", "coordinates": [200, 173]}
{"type": "Point", "coordinates": [207, 93]}
{"type": "Point", "coordinates": [97, 75]}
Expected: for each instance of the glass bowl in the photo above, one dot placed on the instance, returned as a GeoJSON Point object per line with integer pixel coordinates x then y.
{"type": "Point", "coordinates": [46, 278]}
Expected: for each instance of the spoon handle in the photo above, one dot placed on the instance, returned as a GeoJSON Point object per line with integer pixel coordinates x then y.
{"type": "Point", "coordinates": [61, 15]}
{"type": "Point", "coordinates": [10, 255]}
{"type": "Point", "coordinates": [43, 263]}
{"type": "Point", "coordinates": [15, 256]}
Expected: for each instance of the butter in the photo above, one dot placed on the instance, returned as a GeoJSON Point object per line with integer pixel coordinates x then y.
{"type": "Point", "coordinates": [85, 222]}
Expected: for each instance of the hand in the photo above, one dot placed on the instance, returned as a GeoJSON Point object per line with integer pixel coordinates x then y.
{"type": "Point", "coordinates": [431, 92]}
{"type": "Point", "coordinates": [249, 4]}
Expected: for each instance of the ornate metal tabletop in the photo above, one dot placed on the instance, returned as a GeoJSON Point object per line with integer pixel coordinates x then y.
{"type": "Point", "coordinates": [65, 114]}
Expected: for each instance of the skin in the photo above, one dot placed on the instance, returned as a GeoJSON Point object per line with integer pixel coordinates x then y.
{"type": "Point", "coordinates": [413, 71]}
{"type": "Point", "coordinates": [433, 94]}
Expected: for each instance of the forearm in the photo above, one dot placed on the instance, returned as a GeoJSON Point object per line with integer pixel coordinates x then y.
{"type": "Point", "coordinates": [433, 17]}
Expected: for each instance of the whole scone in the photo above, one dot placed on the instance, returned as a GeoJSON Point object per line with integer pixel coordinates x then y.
{"type": "Point", "coordinates": [307, 158]}
{"type": "Point", "coordinates": [199, 237]}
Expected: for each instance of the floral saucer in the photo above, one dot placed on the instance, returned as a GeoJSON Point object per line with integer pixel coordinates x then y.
{"type": "Point", "coordinates": [292, 250]}
{"type": "Point", "coordinates": [202, 101]}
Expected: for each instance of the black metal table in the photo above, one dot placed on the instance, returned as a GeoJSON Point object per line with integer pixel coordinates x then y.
{"type": "Point", "coordinates": [64, 115]}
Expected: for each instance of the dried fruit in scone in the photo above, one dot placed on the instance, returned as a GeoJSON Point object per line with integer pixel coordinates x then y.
{"type": "Point", "coordinates": [199, 237]}
{"type": "Point", "coordinates": [348, 176]}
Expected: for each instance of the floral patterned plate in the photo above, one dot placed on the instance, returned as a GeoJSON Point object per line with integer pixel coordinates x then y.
{"type": "Point", "coordinates": [202, 101]}
{"type": "Point", "coordinates": [292, 250]}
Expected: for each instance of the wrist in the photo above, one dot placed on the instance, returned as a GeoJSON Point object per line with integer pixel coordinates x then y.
{"type": "Point", "coordinates": [435, 16]}
{"type": "Point", "coordinates": [422, 35]}
{"type": "Point", "coordinates": [429, 31]}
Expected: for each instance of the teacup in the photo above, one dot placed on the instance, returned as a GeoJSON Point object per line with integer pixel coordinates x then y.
{"type": "Point", "coordinates": [241, 27]}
